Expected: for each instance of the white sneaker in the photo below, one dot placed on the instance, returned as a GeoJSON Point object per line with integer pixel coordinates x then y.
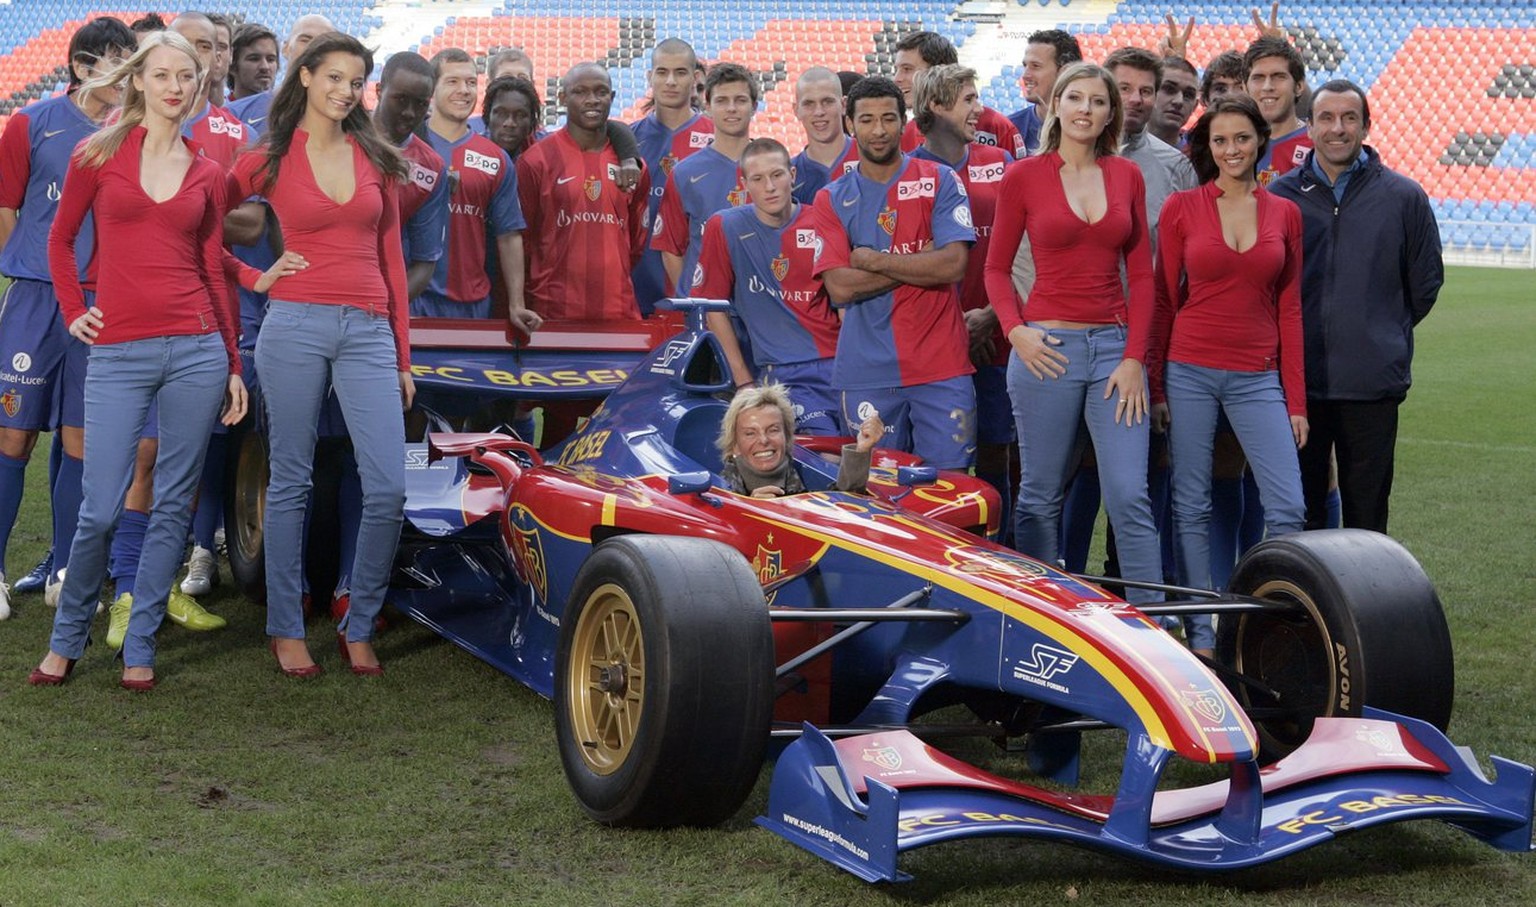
{"type": "Point", "coordinates": [52, 590]}
{"type": "Point", "coordinates": [5, 598]}
{"type": "Point", "coordinates": [202, 572]}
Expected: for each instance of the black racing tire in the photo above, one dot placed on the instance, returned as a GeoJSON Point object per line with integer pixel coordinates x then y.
{"type": "Point", "coordinates": [684, 745]}
{"type": "Point", "coordinates": [1367, 629]}
{"type": "Point", "coordinates": [245, 505]}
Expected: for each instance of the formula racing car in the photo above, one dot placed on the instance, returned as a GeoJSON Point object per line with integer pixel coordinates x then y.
{"type": "Point", "coordinates": [687, 633]}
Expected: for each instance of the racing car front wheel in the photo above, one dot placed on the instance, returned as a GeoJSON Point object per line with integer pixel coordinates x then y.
{"type": "Point", "coordinates": [1362, 626]}
{"type": "Point", "coordinates": [663, 682]}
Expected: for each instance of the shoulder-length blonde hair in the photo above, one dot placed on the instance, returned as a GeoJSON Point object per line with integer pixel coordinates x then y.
{"type": "Point", "coordinates": [99, 148]}
{"type": "Point", "coordinates": [1108, 141]}
{"type": "Point", "coordinates": [772, 395]}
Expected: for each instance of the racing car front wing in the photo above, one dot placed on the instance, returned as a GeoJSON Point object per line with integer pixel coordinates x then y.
{"type": "Point", "coordinates": [862, 801]}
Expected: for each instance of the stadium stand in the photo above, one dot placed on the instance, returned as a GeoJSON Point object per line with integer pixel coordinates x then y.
{"type": "Point", "coordinates": [1452, 84]}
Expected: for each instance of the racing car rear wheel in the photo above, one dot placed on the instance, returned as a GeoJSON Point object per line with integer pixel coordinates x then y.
{"type": "Point", "coordinates": [1365, 627]}
{"type": "Point", "coordinates": [663, 682]}
{"type": "Point", "coordinates": [244, 509]}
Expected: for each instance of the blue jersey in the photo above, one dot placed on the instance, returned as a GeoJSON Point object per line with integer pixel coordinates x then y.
{"type": "Point", "coordinates": [1027, 122]}
{"type": "Point", "coordinates": [908, 335]}
{"type": "Point", "coordinates": [810, 175]}
{"type": "Point", "coordinates": [34, 156]}
{"type": "Point", "coordinates": [705, 183]}
{"type": "Point", "coordinates": [252, 111]}
{"type": "Point", "coordinates": [661, 149]}
{"type": "Point", "coordinates": [767, 274]}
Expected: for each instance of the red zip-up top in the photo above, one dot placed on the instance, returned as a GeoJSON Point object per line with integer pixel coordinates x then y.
{"type": "Point", "coordinates": [353, 248]}
{"type": "Point", "coordinates": [1077, 264]}
{"type": "Point", "coordinates": [1239, 311]}
{"type": "Point", "coordinates": [159, 265]}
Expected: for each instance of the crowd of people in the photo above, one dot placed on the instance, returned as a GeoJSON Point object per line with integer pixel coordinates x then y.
{"type": "Point", "coordinates": [1157, 284]}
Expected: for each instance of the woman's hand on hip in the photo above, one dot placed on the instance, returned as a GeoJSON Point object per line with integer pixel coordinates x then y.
{"type": "Point", "coordinates": [1128, 385]}
{"type": "Point", "coordinates": [1033, 347]}
{"type": "Point", "coordinates": [287, 265]}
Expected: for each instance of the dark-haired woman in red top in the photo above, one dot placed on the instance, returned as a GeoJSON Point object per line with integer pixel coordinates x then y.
{"type": "Point", "coordinates": [1228, 324]}
{"type": "Point", "coordinates": [332, 181]}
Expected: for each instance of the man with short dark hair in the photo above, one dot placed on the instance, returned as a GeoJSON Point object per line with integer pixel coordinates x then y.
{"type": "Point", "coordinates": [709, 180]}
{"type": "Point", "coordinates": [670, 133]}
{"type": "Point", "coordinates": [762, 258]}
{"type": "Point", "coordinates": [1048, 52]}
{"type": "Point", "coordinates": [1176, 98]}
{"type": "Point", "coordinates": [893, 237]}
{"type": "Point", "coordinates": [1371, 271]}
{"type": "Point", "coordinates": [923, 49]}
{"type": "Point", "coordinates": [404, 97]}
{"type": "Point", "coordinates": [219, 76]}
{"type": "Point", "coordinates": [1222, 76]}
{"type": "Point", "coordinates": [482, 204]}
{"type": "Point", "coordinates": [1275, 77]}
{"type": "Point", "coordinates": [252, 109]}
{"type": "Point", "coordinates": [253, 61]}
{"type": "Point", "coordinates": [1138, 73]}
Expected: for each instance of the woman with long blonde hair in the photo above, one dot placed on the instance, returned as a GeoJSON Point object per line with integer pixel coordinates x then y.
{"type": "Point", "coordinates": [158, 328]}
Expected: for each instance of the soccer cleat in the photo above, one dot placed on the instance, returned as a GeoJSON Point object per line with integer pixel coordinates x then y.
{"type": "Point", "coordinates": [184, 610]}
{"type": "Point", "coordinates": [38, 578]}
{"type": "Point", "coordinates": [53, 589]}
{"type": "Point", "coordinates": [5, 598]}
{"type": "Point", "coordinates": [202, 572]}
{"type": "Point", "coordinates": [117, 623]}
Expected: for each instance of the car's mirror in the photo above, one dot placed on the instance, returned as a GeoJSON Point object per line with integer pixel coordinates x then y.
{"type": "Point", "coordinates": [907, 476]}
{"type": "Point", "coordinates": [690, 482]}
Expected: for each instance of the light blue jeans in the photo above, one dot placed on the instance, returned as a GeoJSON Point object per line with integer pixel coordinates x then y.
{"type": "Point", "coordinates": [304, 348]}
{"type": "Point", "coordinates": [1047, 413]}
{"type": "Point", "coordinates": [187, 375]}
{"type": "Point", "coordinates": [1255, 406]}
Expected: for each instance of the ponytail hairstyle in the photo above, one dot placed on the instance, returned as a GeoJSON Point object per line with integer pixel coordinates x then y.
{"type": "Point", "coordinates": [99, 148]}
{"type": "Point", "coordinates": [292, 99]}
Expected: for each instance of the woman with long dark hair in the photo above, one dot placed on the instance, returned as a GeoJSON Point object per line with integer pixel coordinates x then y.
{"type": "Point", "coordinates": [1228, 324]}
{"type": "Point", "coordinates": [1080, 340]}
{"type": "Point", "coordinates": [159, 329]}
{"type": "Point", "coordinates": [332, 181]}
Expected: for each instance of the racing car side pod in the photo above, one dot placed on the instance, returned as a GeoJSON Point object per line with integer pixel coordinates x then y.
{"type": "Point", "coordinates": [862, 801]}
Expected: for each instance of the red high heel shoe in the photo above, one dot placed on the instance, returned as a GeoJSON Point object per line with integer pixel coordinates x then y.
{"type": "Point", "coordinates": [346, 657]}
{"type": "Point", "coordinates": [41, 678]}
{"type": "Point", "coordinates": [313, 670]}
{"type": "Point", "coordinates": [137, 686]}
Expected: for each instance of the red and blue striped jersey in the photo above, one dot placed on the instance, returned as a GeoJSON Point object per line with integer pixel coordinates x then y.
{"type": "Point", "coordinates": [703, 184]}
{"type": "Point", "coordinates": [662, 149]}
{"type": "Point", "coordinates": [482, 202]}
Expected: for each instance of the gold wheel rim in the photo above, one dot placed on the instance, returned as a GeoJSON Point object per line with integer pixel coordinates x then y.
{"type": "Point", "coordinates": [605, 682]}
{"type": "Point", "coordinates": [251, 494]}
{"type": "Point", "coordinates": [1286, 591]}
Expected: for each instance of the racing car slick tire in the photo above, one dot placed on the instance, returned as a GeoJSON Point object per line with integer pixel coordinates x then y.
{"type": "Point", "coordinates": [1370, 631]}
{"type": "Point", "coordinates": [245, 500]}
{"type": "Point", "coordinates": [663, 682]}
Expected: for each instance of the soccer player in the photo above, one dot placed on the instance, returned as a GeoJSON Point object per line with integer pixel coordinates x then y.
{"type": "Point", "coordinates": [1223, 75]}
{"type": "Point", "coordinates": [252, 110]}
{"type": "Point", "coordinates": [894, 237]}
{"type": "Point", "coordinates": [1176, 98]}
{"type": "Point", "coordinates": [1276, 77]}
{"type": "Point", "coordinates": [922, 49]}
{"type": "Point", "coordinates": [1047, 52]}
{"type": "Point", "coordinates": [671, 132]}
{"type": "Point", "coordinates": [218, 131]}
{"type": "Point", "coordinates": [829, 151]}
{"type": "Point", "coordinates": [762, 258]}
{"type": "Point", "coordinates": [218, 77]}
{"type": "Point", "coordinates": [483, 202]}
{"type": "Point", "coordinates": [254, 66]}
{"type": "Point", "coordinates": [948, 108]}
{"type": "Point", "coordinates": [42, 369]}
{"type": "Point", "coordinates": [709, 180]}
{"type": "Point", "coordinates": [511, 62]}
{"type": "Point", "coordinates": [585, 233]}
{"type": "Point", "coordinates": [404, 94]}
{"type": "Point", "coordinates": [1371, 271]}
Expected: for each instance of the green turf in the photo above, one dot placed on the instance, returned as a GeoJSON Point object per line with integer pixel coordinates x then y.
{"type": "Point", "coordinates": [440, 784]}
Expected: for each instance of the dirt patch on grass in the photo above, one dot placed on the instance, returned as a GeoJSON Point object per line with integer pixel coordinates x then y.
{"type": "Point", "coordinates": [502, 755]}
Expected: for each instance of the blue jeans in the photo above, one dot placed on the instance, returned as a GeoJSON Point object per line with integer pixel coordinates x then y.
{"type": "Point", "coordinates": [1255, 405]}
{"type": "Point", "coordinates": [187, 375]}
{"type": "Point", "coordinates": [1047, 413]}
{"type": "Point", "coordinates": [305, 348]}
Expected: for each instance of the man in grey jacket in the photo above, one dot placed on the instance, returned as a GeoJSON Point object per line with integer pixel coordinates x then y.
{"type": "Point", "coordinates": [1371, 270]}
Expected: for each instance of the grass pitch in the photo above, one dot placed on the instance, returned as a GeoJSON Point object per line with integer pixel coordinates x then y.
{"type": "Point", "coordinates": [439, 783]}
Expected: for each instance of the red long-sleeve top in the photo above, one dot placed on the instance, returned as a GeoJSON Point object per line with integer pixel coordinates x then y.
{"type": "Point", "coordinates": [1220, 308]}
{"type": "Point", "coordinates": [353, 248]}
{"type": "Point", "coordinates": [159, 265]}
{"type": "Point", "coordinates": [1077, 264]}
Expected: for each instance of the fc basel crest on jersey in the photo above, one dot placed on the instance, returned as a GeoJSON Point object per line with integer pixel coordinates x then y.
{"type": "Point", "coordinates": [737, 196]}
{"type": "Point", "coordinates": [11, 401]}
{"type": "Point", "coordinates": [887, 221]}
{"type": "Point", "coordinates": [593, 187]}
{"type": "Point", "coordinates": [668, 161]}
{"type": "Point", "coordinates": [780, 267]}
